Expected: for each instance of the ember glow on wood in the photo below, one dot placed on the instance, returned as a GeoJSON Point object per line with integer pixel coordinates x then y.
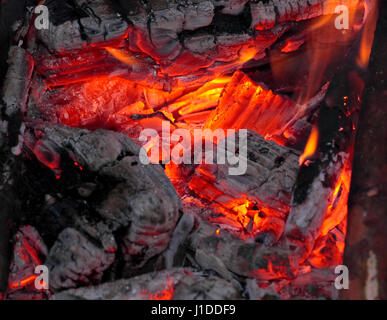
{"type": "Point", "coordinates": [79, 97]}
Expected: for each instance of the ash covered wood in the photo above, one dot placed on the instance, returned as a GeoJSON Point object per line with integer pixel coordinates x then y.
{"type": "Point", "coordinates": [161, 22]}
{"type": "Point", "coordinates": [229, 256]}
{"type": "Point", "coordinates": [75, 261]}
{"type": "Point", "coordinates": [174, 40]}
{"type": "Point", "coordinates": [139, 202]}
{"type": "Point", "coordinates": [176, 284]}
{"type": "Point", "coordinates": [81, 22]}
{"type": "Point", "coordinates": [315, 285]}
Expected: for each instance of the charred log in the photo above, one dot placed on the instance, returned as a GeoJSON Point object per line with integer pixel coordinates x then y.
{"type": "Point", "coordinates": [12, 105]}
{"type": "Point", "coordinates": [118, 193]}
{"type": "Point", "coordinates": [176, 284]}
{"type": "Point", "coordinates": [258, 199]}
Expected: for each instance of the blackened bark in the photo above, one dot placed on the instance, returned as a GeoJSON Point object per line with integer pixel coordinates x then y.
{"type": "Point", "coordinates": [10, 12]}
{"type": "Point", "coordinates": [10, 118]}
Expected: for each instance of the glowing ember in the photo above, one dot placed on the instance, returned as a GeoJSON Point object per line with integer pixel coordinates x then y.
{"type": "Point", "coordinates": [166, 294]}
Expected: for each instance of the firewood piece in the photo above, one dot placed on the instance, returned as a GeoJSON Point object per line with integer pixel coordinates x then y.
{"type": "Point", "coordinates": [205, 288]}
{"type": "Point", "coordinates": [168, 20]}
{"type": "Point", "coordinates": [176, 284]}
{"type": "Point", "coordinates": [314, 285]}
{"type": "Point", "coordinates": [95, 21]}
{"type": "Point", "coordinates": [141, 201]}
{"type": "Point", "coordinates": [269, 179]}
{"type": "Point", "coordinates": [323, 181]}
{"type": "Point", "coordinates": [228, 255]}
{"type": "Point", "coordinates": [266, 186]}
{"type": "Point", "coordinates": [200, 44]}
{"type": "Point", "coordinates": [157, 25]}
{"type": "Point", "coordinates": [265, 14]}
{"type": "Point", "coordinates": [74, 260]}
{"type": "Point", "coordinates": [98, 231]}
{"type": "Point", "coordinates": [12, 104]}
{"type": "Point", "coordinates": [305, 219]}
{"type": "Point", "coordinates": [181, 232]}
{"type": "Point", "coordinates": [17, 81]}
{"type": "Point", "coordinates": [261, 110]}
{"type": "Point", "coordinates": [158, 31]}
{"type": "Point", "coordinates": [14, 94]}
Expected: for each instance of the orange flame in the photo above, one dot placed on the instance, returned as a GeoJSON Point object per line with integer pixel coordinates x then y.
{"type": "Point", "coordinates": [123, 56]}
{"type": "Point", "coordinates": [324, 44]}
{"type": "Point", "coordinates": [311, 146]}
{"type": "Point", "coordinates": [367, 37]}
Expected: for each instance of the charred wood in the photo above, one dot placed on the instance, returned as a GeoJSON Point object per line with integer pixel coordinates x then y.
{"type": "Point", "coordinates": [140, 200]}
{"type": "Point", "coordinates": [176, 284]}
{"type": "Point", "coordinates": [12, 105]}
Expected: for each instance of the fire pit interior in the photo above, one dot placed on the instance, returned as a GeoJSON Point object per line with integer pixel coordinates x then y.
{"type": "Point", "coordinates": [80, 96]}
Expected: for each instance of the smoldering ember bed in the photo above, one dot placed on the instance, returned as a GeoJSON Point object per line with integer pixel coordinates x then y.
{"type": "Point", "coordinates": [193, 149]}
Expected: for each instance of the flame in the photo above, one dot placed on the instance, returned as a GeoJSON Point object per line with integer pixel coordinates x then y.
{"type": "Point", "coordinates": [292, 45]}
{"type": "Point", "coordinates": [337, 209]}
{"type": "Point", "coordinates": [367, 38]}
{"type": "Point", "coordinates": [325, 44]}
{"type": "Point", "coordinates": [311, 146]}
{"type": "Point", "coordinates": [123, 56]}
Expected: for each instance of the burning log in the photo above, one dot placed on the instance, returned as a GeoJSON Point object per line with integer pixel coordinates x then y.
{"type": "Point", "coordinates": [165, 43]}
{"type": "Point", "coordinates": [176, 284]}
{"type": "Point", "coordinates": [256, 108]}
{"type": "Point", "coordinates": [267, 14]}
{"type": "Point", "coordinates": [257, 201]}
{"type": "Point", "coordinates": [317, 207]}
{"type": "Point", "coordinates": [321, 192]}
